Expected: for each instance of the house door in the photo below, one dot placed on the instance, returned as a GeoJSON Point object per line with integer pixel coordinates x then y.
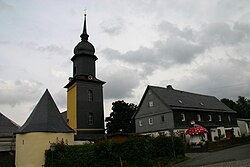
{"type": "Point", "coordinates": [229, 133]}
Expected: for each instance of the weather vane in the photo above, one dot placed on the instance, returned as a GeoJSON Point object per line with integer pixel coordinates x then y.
{"type": "Point", "coordinates": [85, 12]}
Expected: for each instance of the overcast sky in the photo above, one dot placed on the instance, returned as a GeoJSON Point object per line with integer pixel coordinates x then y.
{"type": "Point", "coordinates": [195, 46]}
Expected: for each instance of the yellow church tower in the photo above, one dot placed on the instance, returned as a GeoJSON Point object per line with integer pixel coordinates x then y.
{"type": "Point", "coordinates": [85, 112]}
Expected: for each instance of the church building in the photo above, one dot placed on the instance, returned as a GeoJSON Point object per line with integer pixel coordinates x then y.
{"type": "Point", "coordinates": [85, 92]}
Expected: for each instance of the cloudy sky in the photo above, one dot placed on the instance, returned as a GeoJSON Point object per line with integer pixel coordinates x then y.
{"type": "Point", "coordinates": [196, 46]}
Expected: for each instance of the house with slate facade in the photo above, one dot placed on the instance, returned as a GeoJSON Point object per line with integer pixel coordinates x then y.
{"type": "Point", "coordinates": [162, 110]}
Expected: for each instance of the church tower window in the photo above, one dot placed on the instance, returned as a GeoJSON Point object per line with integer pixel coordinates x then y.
{"type": "Point", "coordinates": [90, 95]}
{"type": "Point", "coordinates": [91, 119]}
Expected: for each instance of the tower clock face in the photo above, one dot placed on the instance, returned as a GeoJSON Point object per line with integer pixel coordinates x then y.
{"type": "Point", "coordinates": [90, 77]}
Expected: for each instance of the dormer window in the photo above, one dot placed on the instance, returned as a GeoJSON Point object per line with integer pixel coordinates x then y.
{"type": "Point", "coordinates": [180, 101]}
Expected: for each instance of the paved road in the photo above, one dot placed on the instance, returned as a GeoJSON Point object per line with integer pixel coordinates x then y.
{"type": "Point", "coordinates": [233, 157]}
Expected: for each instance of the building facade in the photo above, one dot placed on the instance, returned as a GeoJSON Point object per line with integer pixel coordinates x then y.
{"type": "Point", "coordinates": [85, 112]}
{"type": "Point", "coordinates": [162, 110]}
{"type": "Point", "coordinates": [44, 126]}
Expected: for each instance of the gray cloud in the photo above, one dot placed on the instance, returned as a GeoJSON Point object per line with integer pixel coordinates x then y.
{"type": "Point", "coordinates": [215, 34]}
{"type": "Point", "coordinates": [61, 99]}
{"type": "Point", "coordinates": [227, 78]}
{"type": "Point", "coordinates": [13, 92]}
{"type": "Point", "coordinates": [181, 46]}
{"type": "Point", "coordinates": [113, 27]}
{"type": "Point", "coordinates": [4, 6]}
{"type": "Point", "coordinates": [53, 49]}
{"type": "Point", "coordinates": [164, 54]}
{"type": "Point", "coordinates": [120, 82]}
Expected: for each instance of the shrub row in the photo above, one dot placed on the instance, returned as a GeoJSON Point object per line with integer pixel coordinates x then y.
{"type": "Point", "coordinates": [135, 152]}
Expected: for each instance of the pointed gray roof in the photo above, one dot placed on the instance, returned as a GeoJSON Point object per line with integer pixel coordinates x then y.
{"type": "Point", "coordinates": [7, 126]}
{"type": "Point", "coordinates": [45, 118]}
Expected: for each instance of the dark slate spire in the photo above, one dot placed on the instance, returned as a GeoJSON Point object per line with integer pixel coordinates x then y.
{"type": "Point", "coordinates": [84, 35]}
{"type": "Point", "coordinates": [45, 118]}
{"type": "Point", "coordinates": [84, 47]}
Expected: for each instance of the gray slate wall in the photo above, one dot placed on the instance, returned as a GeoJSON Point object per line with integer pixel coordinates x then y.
{"type": "Point", "coordinates": [155, 112]}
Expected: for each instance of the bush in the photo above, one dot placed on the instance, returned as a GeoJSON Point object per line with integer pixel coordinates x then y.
{"type": "Point", "coordinates": [139, 151]}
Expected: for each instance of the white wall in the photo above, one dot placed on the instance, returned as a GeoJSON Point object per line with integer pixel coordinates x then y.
{"type": "Point", "coordinates": [243, 127]}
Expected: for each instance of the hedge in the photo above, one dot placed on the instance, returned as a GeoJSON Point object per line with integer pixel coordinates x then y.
{"type": "Point", "coordinates": [135, 152]}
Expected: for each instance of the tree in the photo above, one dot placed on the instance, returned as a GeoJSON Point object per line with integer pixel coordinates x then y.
{"type": "Point", "coordinates": [242, 106]}
{"type": "Point", "coordinates": [230, 103]}
{"type": "Point", "coordinates": [120, 119]}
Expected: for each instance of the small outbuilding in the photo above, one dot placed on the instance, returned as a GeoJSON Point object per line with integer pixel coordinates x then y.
{"type": "Point", "coordinates": [244, 125]}
{"type": "Point", "coordinates": [44, 126]}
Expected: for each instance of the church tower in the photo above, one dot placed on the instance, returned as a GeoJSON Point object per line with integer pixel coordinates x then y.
{"type": "Point", "coordinates": [85, 92]}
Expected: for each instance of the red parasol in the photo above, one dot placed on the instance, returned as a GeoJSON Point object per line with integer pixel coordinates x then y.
{"type": "Point", "coordinates": [196, 130]}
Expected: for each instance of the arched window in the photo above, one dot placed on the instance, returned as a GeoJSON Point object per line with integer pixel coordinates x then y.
{"type": "Point", "coordinates": [90, 95]}
{"type": "Point", "coordinates": [91, 119]}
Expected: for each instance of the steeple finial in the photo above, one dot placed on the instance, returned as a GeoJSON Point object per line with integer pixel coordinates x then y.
{"type": "Point", "coordinates": [84, 35]}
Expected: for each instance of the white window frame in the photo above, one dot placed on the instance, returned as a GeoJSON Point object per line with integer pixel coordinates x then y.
{"type": "Point", "coordinates": [209, 118]}
{"type": "Point", "coordinates": [229, 118]}
{"type": "Point", "coordinates": [198, 117]}
{"type": "Point", "coordinates": [150, 121]}
{"type": "Point", "coordinates": [183, 117]}
{"type": "Point", "coordinates": [219, 116]}
{"type": "Point", "coordinates": [140, 123]}
{"type": "Point", "coordinates": [150, 103]}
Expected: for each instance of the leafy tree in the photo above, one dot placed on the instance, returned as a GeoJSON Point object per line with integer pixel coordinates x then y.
{"type": "Point", "coordinates": [230, 103]}
{"type": "Point", "coordinates": [242, 106]}
{"type": "Point", "coordinates": [120, 119]}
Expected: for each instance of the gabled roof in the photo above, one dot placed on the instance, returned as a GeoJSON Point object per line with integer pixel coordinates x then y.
{"type": "Point", "coordinates": [45, 118]}
{"type": "Point", "coordinates": [7, 126]}
{"type": "Point", "coordinates": [177, 99]}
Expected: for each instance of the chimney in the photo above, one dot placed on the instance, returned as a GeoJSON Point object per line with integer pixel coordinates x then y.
{"type": "Point", "coordinates": [169, 87]}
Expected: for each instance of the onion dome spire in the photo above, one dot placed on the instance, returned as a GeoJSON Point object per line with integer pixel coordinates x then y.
{"type": "Point", "coordinates": [84, 46]}
{"type": "Point", "coordinates": [84, 35]}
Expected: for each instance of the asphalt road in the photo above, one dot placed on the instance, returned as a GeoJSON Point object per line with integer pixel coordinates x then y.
{"type": "Point", "coordinates": [233, 157]}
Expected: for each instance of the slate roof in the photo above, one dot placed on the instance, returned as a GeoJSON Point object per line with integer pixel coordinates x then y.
{"type": "Point", "coordinates": [64, 116]}
{"type": "Point", "coordinates": [7, 126]}
{"type": "Point", "coordinates": [45, 118]}
{"type": "Point", "coordinates": [177, 99]}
